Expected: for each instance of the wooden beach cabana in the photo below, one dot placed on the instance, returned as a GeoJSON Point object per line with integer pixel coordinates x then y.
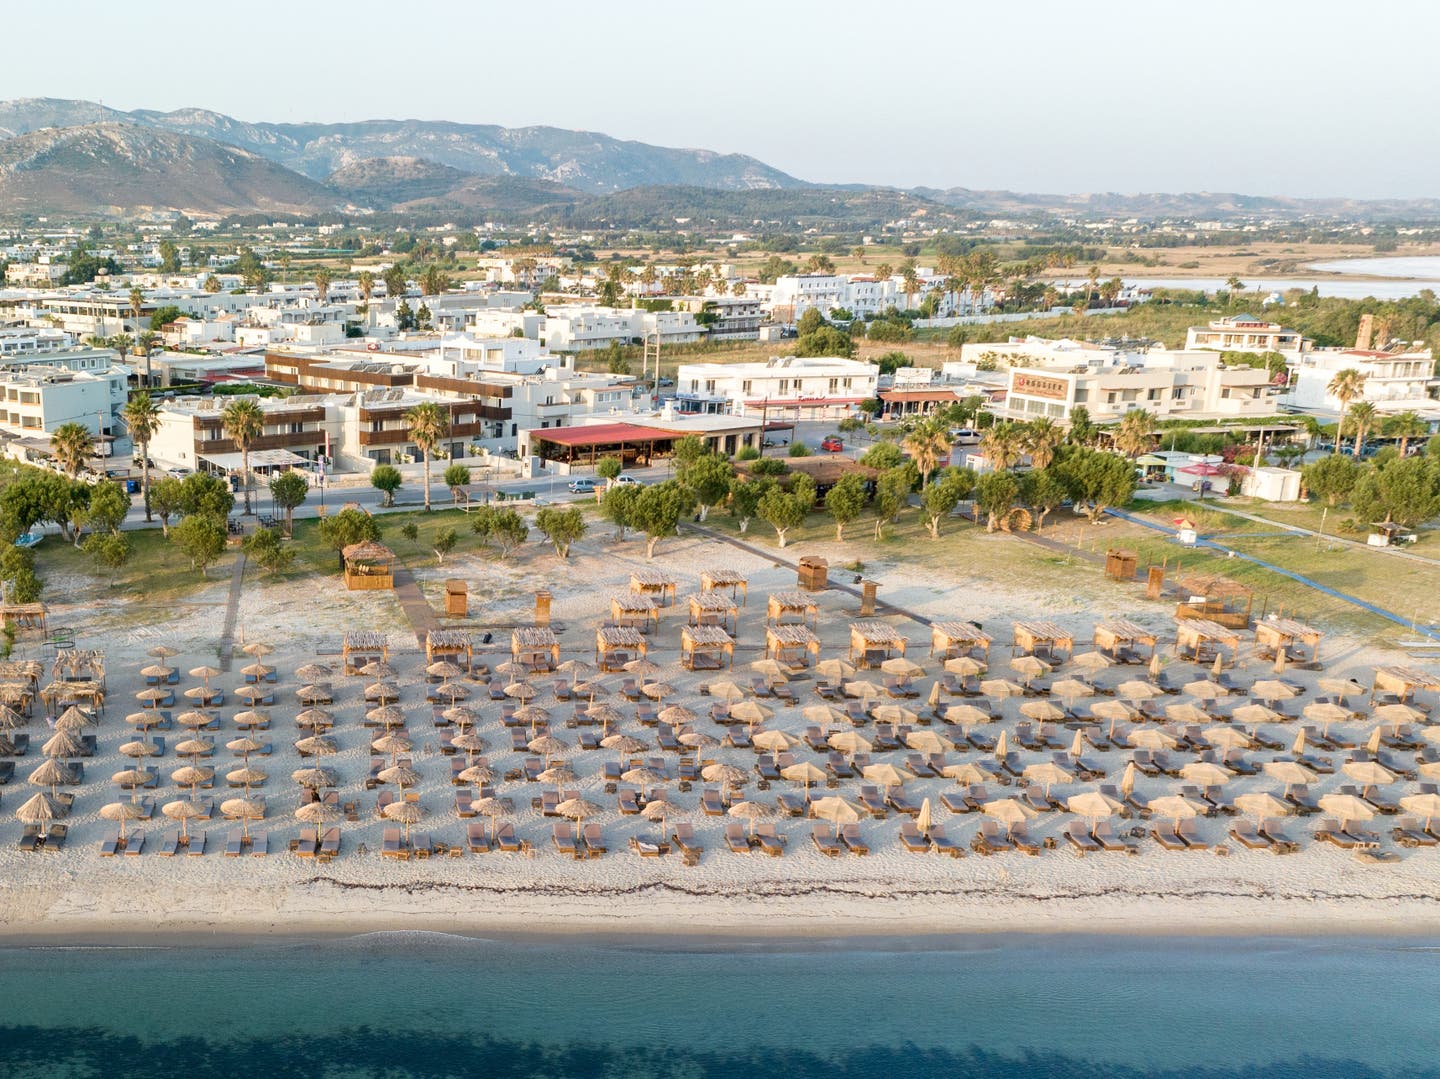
{"type": "Point", "coordinates": [23, 615]}
{"type": "Point", "coordinates": [723, 580]}
{"type": "Point", "coordinates": [1274, 634]}
{"type": "Point", "coordinates": [453, 645]}
{"type": "Point", "coordinates": [1204, 639]}
{"type": "Point", "coordinates": [635, 610]}
{"type": "Point", "coordinates": [1214, 597]}
{"type": "Point", "coordinates": [1042, 638]}
{"type": "Point", "coordinates": [659, 586]}
{"type": "Point", "coordinates": [951, 639]}
{"type": "Point", "coordinates": [535, 648]}
{"type": "Point", "coordinates": [616, 646]}
{"type": "Point", "coordinates": [1402, 681]}
{"type": "Point", "coordinates": [701, 647]}
{"type": "Point", "coordinates": [368, 565]}
{"type": "Point", "coordinates": [1117, 635]}
{"type": "Point", "coordinates": [791, 645]}
{"type": "Point", "coordinates": [22, 670]}
{"type": "Point", "coordinates": [714, 609]}
{"type": "Point", "coordinates": [362, 646]}
{"type": "Point", "coordinates": [872, 642]}
{"type": "Point", "coordinates": [783, 605]}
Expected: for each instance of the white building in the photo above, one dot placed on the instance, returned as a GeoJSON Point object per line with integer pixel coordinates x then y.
{"type": "Point", "coordinates": [1245, 333]}
{"type": "Point", "coordinates": [817, 386]}
{"type": "Point", "coordinates": [1394, 381]}
{"type": "Point", "coordinates": [38, 399]}
{"type": "Point", "coordinates": [577, 328]}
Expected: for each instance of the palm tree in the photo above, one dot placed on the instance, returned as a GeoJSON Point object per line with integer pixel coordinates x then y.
{"type": "Point", "coordinates": [244, 422]}
{"type": "Point", "coordinates": [884, 271]}
{"type": "Point", "coordinates": [1362, 418]}
{"type": "Point", "coordinates": [395, 283]}
{"type": "Point", "coordinates": [433, 281]}
{"type": "Point", "coordinates": [1135, 432]}
{"type": "Point", "coordinates": [1405, 426]}
{"type": "Point", "coordinates": [1042, 436]}
{"type": "Point", "coordinates": [1001, 445]}
{"type": "Point", "coordinates": [366, 280]}
{"type": "Point", "coordinates": [428, 425]}
{"type": "Point", "coordinates": [137, 302]}
{"type": "Point", "coordinates": [929, 444]}
{"type": "Point", "coordinates": [73, 445]}
{"type": "Point", "coordinates": [1345, 387]}
{"type": "Point", "coordinates": [122, 343]}
{"type": "Point", "coordinates": [143, 419]}
{"type": "Point", "coordinates": [322, 279]}
{"type": "Point", "coordinates": [911, 282]}
{"type": "Point", "coordinates": [145, 344]}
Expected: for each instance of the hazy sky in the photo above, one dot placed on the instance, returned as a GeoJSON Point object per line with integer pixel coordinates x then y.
{"type": "Point", "coordinates": [1299, 97]}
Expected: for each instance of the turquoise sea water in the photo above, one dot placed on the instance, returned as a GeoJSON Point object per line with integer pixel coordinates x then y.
{"type": "Point", "coordinates": [428, 1005]}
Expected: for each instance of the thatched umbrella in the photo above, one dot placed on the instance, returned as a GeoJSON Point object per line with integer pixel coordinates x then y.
{"type": "Point", "coordinates": [10, 719]}
{"type": "Point", "coordinates": [461, 715]}
{"type": "Point", "coordinates": [195, 720]}
{"type": "Point", "coordinates": [406, 813]}
{"type": "Point", "coordinates": [923, 741]}
{"type": "Point", "coordinates": [642, 667]}
{"type": "Point", "coordinates": [402, 775]}
{"type": "Point", "coordinates": [258, 649]}
{"type": "Point", "coordinates": [245, 746]}
{"type": "Point", "coordinates": [321, 814]}
{"type": "Point", "coordinates": [387, 715]}
{"type": "Point", "coordinates": [252, 694]}
{"type": "Point", "coordinates": [317, 745]}
{"type": "Point", "coordinates": [313, 694]}
{"type": "Point", "coordinates": [162, 651]}
{"type": "Point", "coordinates": [559, 773]}
{"type": "Point", "coordinates": [257, 670]}
{"type": "Point", "coordinates": [578, 809]}
{"type": "Point", "coordinates": [850, 743]}
{"type": "Point", "coordinates": [608, 715]}
{"type": "Point", "coordinates": [804, 773]}
{"type": "Point", "coordinates": [750, 712]}
{"type": "Point", "coordinates": [644, 778]}
{"type": "Point", "coordinates": [382, 692]}
{"type": "Point", "coordinates": [192, 776]}
{"type": "Point", "coordinates": [773, 672]}
{"type": "Point", "coordinates": [697, 740]}
{"type": "Point", "coordinates": [377, 669]}
{"type": "Point", "coordinates": [1090, 661]}
{"type": "Point", "coordinates": [521, 691]}
{"type": "Point", "coordinates": [194, 748]}
{"type": "Point", "coordinates": [774, 741]}
{"type": "Point", "coordinates": [834, 809]}
{"type": "Point", "coordinates": [752, 811]}
{"type": "Point", "coordinates": [452, 692]}
{"type": "Point", "coordinates": [50, 774]}
{"type": "Point", "coordinates": [75, 719]}
{"type": "Point", "coordinates": [444, 670]}
{"type": "Point", "coordinates": [158, 671]}
{"type": "Point", "coordinates": [205, 673]}
{"type": "Point", "coordinates": [887, 775]}
{"type": "Point", "coordinates": [123, 813]}
{"type": "Point", "coordinates": [314, 778]}
{"type": "Point", "coordinates": [658, 691]}
{"type": "Point", "coordinates": [247, 777]}
{"type": "Point", "coordinates": [184, 811]}
{"type": "Point", "coordinates": [478, 773]}
{"type": "Point", "coordinates": [314, 672]}
{"type": "Point", "coordinates": [727, 691]}
{"type": "Point", "coordinates": [152, 697]}
{"type": "Point", "coordinates": [547, 745]}
{"type": "Point", "coordinates": [138, 748]}
{"type": "Point", "coordinates": [61, 744]}
{"type": "Point", "coordinates": [251, 718]}
{"type": "Point", "coordinates": [575, 668]}
{"type": "Point", "coordinates": [837, 669]}
{"type": "Point", "coordinates": [38, 809]}
{"type": "Point", "coordinates": [531, 714]}
{"type": "Point", "coordinates": [489, 807]}
{"type": "Point", "coordinates": [623, 744]}
{"type": "Point", "coordinates": [132, 779]}
{"type": "Point", "coordinates": [1008, 811]}
{"type": "Point", "coordinates": [660, 808]}
{"type": "Point", "coordinates": [469, 744]}
{"type": "Point", "coordinates": [1029, 668]}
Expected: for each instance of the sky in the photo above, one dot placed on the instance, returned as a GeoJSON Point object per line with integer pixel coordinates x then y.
{"type": "Point", "coordinates": [1288, 97]}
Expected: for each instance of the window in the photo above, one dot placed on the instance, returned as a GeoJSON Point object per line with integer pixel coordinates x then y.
{"type": "Point", "coordinates": [834, 385]}
{"type": "Point", "coordinates": [745, 386]}
{"type": "Point", "coordinates": [784, 385]}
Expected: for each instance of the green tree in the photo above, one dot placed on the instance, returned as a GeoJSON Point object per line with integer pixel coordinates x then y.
{"type": "Point", "coordinates": [939, 500]}
{"type": "Point", "coordinates": [1135, 434]}
{"type": "Point", "coordinates": [657, 511]}
{"type": "Point", "coordinates": [72, 445]}
{"type": "Point", "coordinates": [211, 284]}
{"type": "Point", "coordinates": [17, 565]}
{"type": "Point", "coordinates": [428, 425]}
{"type": "Point", "coordinates": [203, 493]}
{"type": "Point", "coordinates": [201, 537]}
{"type": "Point", "coordinates": [395, 283]}
{"type": "Point", "coordinates": [782, 511]}
{"type": "Point", "coordinates": [110, 551]}
{"type": "Point", "coordinates": [165, 498]}
{"type": "Point", "coordinates": [244, 421]}
{"type": "Point", "coordinates": [929, 446]}
{"type": "Point", "coordinates": [322, 280]}
{"type": "Point", "coordinates": [607, 468]}
{"type": "Point", "coordinates": [443, 543]}
{"type": "Point", "coordinates": [457, 478]}
{"type": "Point", "coordinates": [169, 257]}
{"type": "Point", "coordinates": [107, 507]}
{"type": "Point", "coordinates": [810, 322]}
{"type": "Point", "coordinates": [1362, 417]}
{"type": "Point", "coordinates": [501, 526]}
{"type": "Point", "coordinates": [289, 490]}
{"type": "Point", "coordinates": [892, 495]}
{"type": "Point", "coordinates": [387, 480]}
{"type": "Point", "coordinates": [709, 481]}
{"type": "Point", "coordinates": [411, 531]}
{"type": "Point", "coordinates": [1041, 437]}
{"type": "Point", "coordinates": [1042, 490]}
{"type": "Point", "coordinates": [350, 525]}
{"type": "Point", "coordinates": [1001, 445]}
{"type": "Point", "coordinates": [1082, 430]}
{"type": "Point", "coordinates": [1098, 479]}
{"type": "Point", "coordinates": [618, 507]}
{"type": "Point", "coordinates": [826, 341]}
{"type": "Point", "coordinates": [561, 527]}
{"type": "Point", "coordinates": [1403, 492]}
{"type": "Point", "coordinates": [798, 449]}
{"type": "Point", "coordinates": [433, 280]}
{"type": "Point", "coordinates": [883, 455]}
{"type": "Point", "coordinates": [745, 496]}
{"type": "Point", "coordinates": [1331, 479]}
{"type": "Point", "coordinates": [687, 452]}
{"type": "Point", "coordinates": [995, 494]}
{"type": "Point", "coordinates": [1405, 426]}
{"type": "Point", "coordinates": [267, 550]}
{"type": "Point", "coordinates": [1345, 386]}
{"type": "Point", "coordinates": [845, 502]}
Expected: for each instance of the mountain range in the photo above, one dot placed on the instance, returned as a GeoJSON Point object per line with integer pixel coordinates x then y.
{"type": "Point", "coordinates": [81, 157]}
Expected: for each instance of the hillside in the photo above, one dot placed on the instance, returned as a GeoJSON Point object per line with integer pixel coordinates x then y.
{"type": "Point", "coordinates": [391, 180]}
{"type": "Point", "coordinates": [1190, 205]}
{"type": "Point", "coordinates": [110, 167]}
{"type": "Point", "coordinates": [509, 196]}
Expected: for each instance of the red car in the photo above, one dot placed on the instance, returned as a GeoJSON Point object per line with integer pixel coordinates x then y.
{"type": "Point", "coordinates": [833, 444]}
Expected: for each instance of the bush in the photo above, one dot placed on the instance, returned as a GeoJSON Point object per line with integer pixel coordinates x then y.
{"type": "Point", "coordinates": [769, 466]}
{"type": "Point", "coordinates": [799, 449]}
{"type": "Point", "coordinates": [748, 453]}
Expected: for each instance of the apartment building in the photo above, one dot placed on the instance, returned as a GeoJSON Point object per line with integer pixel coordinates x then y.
{"type": "Point", "coordinates": [1394, 381]}
{"type": "Point", "coordinates": [813, 386]}
{"type": "Point", "coordinates": [1245, 333]}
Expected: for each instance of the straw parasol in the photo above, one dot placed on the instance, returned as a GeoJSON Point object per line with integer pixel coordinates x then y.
{"type": "Point", "coordinates": [1069, 689]}
{"type": "Point", "coordinates": [1255, 713]}
{"type": "Point", "coordinates": [257, 670]}
{"type": "Point", "coordinates": [402, 775]}
{"type": "Point", "coordinates": [964, 666]}
{"type": "Point", "coordinates": [184, 811]}
{"type": "Point", "coordinates": [75, 719]}
{"type": "Point", "coordinates": [1137, 689]}
{"type": "Point", "coordinates": [315, 717]}
{"type": "Point", "coordinates": [1204, 689]}
{"type": "Point", "coordinates": [153, 695]}
{"type": "Point", "coordinates": [927, 742]}
{"type": "Point", "coordinates": [726, 691]}
{"type": "Point", "coordinates": [1270, 689]}
{"type": "Point", "coordinates": [258, 649]}
{"type": "Point", "coordinates": [133, 778]}
{"type": "Point", "coordinates": [382, 691]}
{"type": "Point", "coordinates": [887, 775]}
{"type": "Point", "coordinates": [462, 715]}
{"type": "Point", "coordinates": [162, 651]}
{"type": "Point", "coordinates": [966, 773]}
{"type": "Point", "coordinates": [547, 745]}
{"type": "Point", "coordinates": [771, 741]}
{"type": "Point", "coordinates": [893, 713]}
{"type": "Point", "coordinates": [1114, 711]}
{"type": "Point", "coordinates": [387, 715]}
{"type": "Point", "coordinates": [1175, 807]}
{"type": "Point", "coordinates": [38, 809]}
{"type": "Point", "coordinates": [803, 772]}
{"type": "Point", "coordinates": [1369, 772]}
{"type": "Point", "coordinates": [1008, 811]}
{"type": "Point", "coordinates": [314, 672]}
{"type": "Point", "coordinates": [966, 715]}
{"type": "Point", "coordinates": [478, 773]}
{"type": "Point", "coordinates": [862, 690]}
{"type": "Point", "coordinates": [61, 744]}
{"type": "Point", "coordinates": [850, 743]}
{"type": "Point", "coordinates": [1347, 807]}
{"type": "Point", "coordinates": [1042, 711]}
{"type": "Point", "coordinates": [1187, 713]}
{"type": "Point", "coordinates": [834, 808]}
{"type": "Point", "coordinates": [578, 809]}
{"type": "Point", "coordinates": [999, 688]}
{"type": "Point", "coordinates": [138, 748]}
{"type": "Point", "coordinates": [575, 668]}
{"type": "Point", "coordinates": [1152, 738]}
{"type": "Point", "coordinates": [1425, 805]}
{"type": "Point", "coordinates": [642, 666]}
{"type": "Point", "coordinates": [1227, 738]}
{"type": "Point", "coordinates": [243, 809]}
{"type": "Point", "coordinates": [314, 778]}
{"type": "Point", "coordinates": [924, 820]}
{"type": "Point", "coordinates": [194, 747]}
{"type": "Point", "coordinates": [406, 813]}
{"type": "Point", "coordinates": [623, 744]}
{"type": "Point", "coordinates": [726, 774]}
{"type": "Point", "coordinates": [490, 807]}
{"type": "Point", "coordinates": [661, 809]}
{"type": "Point", "coordinates": [676, 715]}
{"type": "Point", "coordinates": [520, 691]}
{"type": "Point", "coordinates": [772, 670]}
{"type": "Point", "coordinates": [1047, 772]}
{"type": "Point", "coordinates": [836, 669]}
{"type": "Point", "coordinates": [1127, 780]}
{"type": "Point", "coordinates": [752, 811]}
{"type": "Point", "coordinates": [318, 745]}
{"type": "Point", "coordinates": [902, 667]}
{"type": "Point", "coordinates": [469, 744]}
{"type": "Point", "coordinates": [1396, 714]}
{"type": "Point", "coordinates": [1289, 772]}
{"type": "Point", "coordinates": [392, 744]}
{"type": "Point", "coordinates": [192, 775]}
{"type": "Point", "coordinates": [1206, 773]}
{"type": "Point", "coordinates": [247, 777]}
{"type": "Point", "coordinates": [750, 712]}
{"type": "Point", "coordinates": [1029, 668]}
{"type": "Point", "coordinates": [444, 669]}
{"type": "Point", "coordinates": [698, 740]}
{"type": "Point", "coordinates": [121, 812]}
{"type": "Point", "coordinates": [245, 745]}
{"type": "Point", "coordinates": [1325, 712]}
{"type": "Point", "coordinates": [377, 669]}
{"type": "Point", "coordinates": [1091, 661]}
{"type": "Point", "coordinates": [658, 691]}
{"type": "Point", "coordinates": [11, 720]}
{"type": "Point", "coordinates": [205, 673]}
{"type": "Point", "coordinates": [644, 778]}
{"type": "Point", "coordinates": [1263, 804]}
{"type": "Point", "coordinates": [452, 692]}
{"type": "Point", "coordinates": [195, 719]}
{"type": "Point", "coordinates": [1093, 805]}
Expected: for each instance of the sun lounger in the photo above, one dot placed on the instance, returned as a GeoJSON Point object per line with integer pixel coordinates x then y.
{"type": "Point", "coordinates": [29, 838]}
{"type": "Point", "coordinates": [594, 841]}
{"type": "Point", "coordinates": [711, 803]}
{"type": "Point", "coordinates": [234, 842]}
{"type": "Point", "coordinates": [476, 837]}
{"type": "Point", "coordinates": [912, 839]}
{"type": "Point", "coordinates": [850, 836]}
{"type": "Point", "coordinates": [1272, 829]}
{"type": "Point", "coordinates": [563, 836]}
{"type": "Point", "coordinates": [771, 841]}
{"type": "Point", "coordinates": [134, 844]}
{"type": "Point", "coordinates": [897, 800]}
{"type": "Point", "coordinates": [329, 844]}
{"type": "Point", "coordinates": [990, 840]}
{"type": "Point", "coordinates": [873, 802]}
{"type": "Point", "coordinates": [838, 766]}
{"type": "Point", "coordinates": [1247, 835]}
{"type": "Point", "coordinates": [943, 844]}
{"type": "Point", "coordinates": [110, 845]}
{"type": "Point", "coordinates": [1298, 795]}
{"type": "Point", "coordinates": [823, 836]}
{"type": "Point", "coordinates": [1077, 836]}
{"type": "Point", "coordinates": [684, 838]}
{"type": "Point", "coordinates": [1409, 832]}
{"type": "Point", "coordinates": [735, 838]}
{"type": "Point", "coordinates": [170, 843]}
{"type": "Point", "coordinates": [506, 840]}
{"type": "Point", "coordinates": [390, 845]}
{"type": "Point", "coordinates": [1105, 834]}
{"type": "Point", "coordinates": [1191, 835]}
{"type": "Point", "coordinates": [1168, 839]}
{"type": "Point", "coordinates": [793, 803]}
{"type": "Point", "coordinates": [628, 802]}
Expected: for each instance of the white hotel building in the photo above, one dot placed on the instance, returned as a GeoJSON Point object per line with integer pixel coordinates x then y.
{"type": "Point", "coordinates": [812, 387]}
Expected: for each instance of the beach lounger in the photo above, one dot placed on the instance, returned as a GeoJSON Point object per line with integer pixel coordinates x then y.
{"type": "Point", "coordinates": [594, 841]}
{"type": "Point", "coordinates": [563, 836]}
{"type": "Point", "coordinates": [476, 838]}
{"type": "Point", "coordinates": [897, 800]}
{"type": "Point", "coordinates": [943, 844]}
{"type": "Point", "coordinates": [110, 845]}
{"type": "Point", "coordinates": [234, 842]}
{"type": "Point", "coordinates": [874, 802]}
{"type": "Point", "coordinates": [823, 836]}
{"type": "Point", "coordinates": [506, 840]}
{"type": "Point", "coordinates": [684, 838]}
{"type": "Point", "coordinates": [771, 841]}
{"type": "Point", "coordinates": [990, 840]}
{"type": "Point", "coordinates": [1273, 829]}
{"type": "Point", "coordinates": [421, 845]}
{"type": "Point", "coordinates": [736, 839]}
{"type": "Point", "coordinates": [738, 738]}
{"type": "Point", "coordinates": [390, 845]}
{"type": "Point", "coordinates": [1188, 832]}
{"type": "Point", "coordinates": [912, 839]}
{"type": "Point", "coordinates": [793, 803]}
{"type": "Point", "coordinates": [134, 844]}
{"type": "Point", "coordinates": [647, 849]}
{"type": "Point", "coordinates": [767, 767]}
{"type": "Point", "coordinates": [170, 843]}
{"type": "Point", "coordinates": [1019, 835]}
{"type": "Point", "coordinates": [628, 802]}
{"type": "Point", "coordinates": [1247, 834]}
{"type": "Point", "coordinates": [838, 766]}
{"type": "Point", "coordinates": [463, 801]}
{"type": "Point", "coordinates": [1299, 796]}
{"type": "Point", "coordinates": [29, 838]}
{"type": "Point", "coordinates": [850, 836]}
{"type": "Point", "coordinates": [1076, 835]}
{"type": "Point", "coordinates": [1410, 832]}
{"type": "Point", "coordinates": [197, 843]}
{"type": "Point", "coordinates": [711, 803]}
{"type": "Point", "coordinates": [827, 690]}
{"type": "Point", "coordinates": [1110, 840]}
{"type": "Point", "coordinates": [1168, 839]}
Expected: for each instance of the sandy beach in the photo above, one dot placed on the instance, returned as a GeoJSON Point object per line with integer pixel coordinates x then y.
{"type": "Point", "coordinates": [77, 894]}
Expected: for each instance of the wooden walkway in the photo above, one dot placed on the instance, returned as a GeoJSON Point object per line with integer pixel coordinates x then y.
{"type": "Point", "coordinates": [412, 601]}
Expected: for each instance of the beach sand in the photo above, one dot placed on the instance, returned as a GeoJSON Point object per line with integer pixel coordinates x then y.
{"type": "Point", "coordinates": [77, 894]}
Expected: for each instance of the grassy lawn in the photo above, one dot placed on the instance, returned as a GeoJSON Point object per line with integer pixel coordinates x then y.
{"type": "Point", "coordinates": [157, 571]}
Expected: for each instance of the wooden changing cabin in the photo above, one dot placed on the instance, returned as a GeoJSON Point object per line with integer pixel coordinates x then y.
{"type": "Point", "coordinates": [616, 646]}
{"type": "Point", "coordinates": [362, 646]}
{"type": "Point", "coordinates": [535, 647]}
{"type": "Point", "coordinates": [1215, 598]}
{"type": "Point", "coordinates": [1120, 635]}
{"type": "Point", "coordinates": [1274, 634]}
{"type": "Point", "coordinates": [635, 610]}
{"type": "Point", "coordinates": [791, 645]}
{"type": "Point", "coordinates": [716, 580]}
{"type": "Point", "coordinates": [702, 646]}
{"type": "Point", "coordinates": [368, 565]}
{"type": "Point", "coordinates": [1042, 638]}
{"type": "Point", "coordinates": [951, 639]}
{"type": "Point", "coordinates": [873, 642]}
{"type": "Point", "coordinates": [658, 586]}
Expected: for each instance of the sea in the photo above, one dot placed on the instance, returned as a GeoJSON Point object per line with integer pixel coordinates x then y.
{"type": "Point", "coordinates": [424, 1004]}
{"type": "Point", "coordinates": [1406, 276]}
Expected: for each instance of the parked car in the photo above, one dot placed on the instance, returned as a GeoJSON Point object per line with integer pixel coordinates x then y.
{"type": "Point", "coordinates": [583, 486]}
{"type": "Point", "coordinates": [177, 473]}
{"type": "Point", "coordinates": [627, 480]}
{"type": "Point", "coordinates": [965, 435]}
{"type": "Point", "coordinates": [832, 444]}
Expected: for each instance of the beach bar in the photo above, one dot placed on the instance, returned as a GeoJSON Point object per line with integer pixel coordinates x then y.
{"type": "Point", "coordinates": [1204, 639]}
{"type": "Point", "coordinates": [23, 615]}
{"type": "Point", "coordinates": [652, 583]}
{"type": "Point", "coordinates": [732, 580]}
{"type": "Point", "coordinates": [714, 609]}
{"type": "Point", "coordinates": [1117, 636]}
{"type": "Point", "coordinates": [873, 642]}
{"type": "Point", "coordinates": [634, 610]}
{"type": "Point", "coordinates": [701, 648]}
{"type": "Point", "coordinates": [1273, 635]}
{"type": "Point", "coordinates": [368, 565]}
{"type": "Point", "coordinates": [1042, 638]}
{"type": "Point", "coordinates": [535, 647]}
{"type": "Point", "coordinates": [951, 639]}
{"type": "Point", "coordinates": [791, 645]}
{"type": "Point", "coordinates": [616, 646]}
{"type": "Point", "coordinates": [782, 605]}
{"type": "Point", "coordinates": [362, 646]}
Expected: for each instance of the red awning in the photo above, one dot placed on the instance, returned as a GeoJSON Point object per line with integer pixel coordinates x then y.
{"type": "Point", "coordinates": [601, 434]}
